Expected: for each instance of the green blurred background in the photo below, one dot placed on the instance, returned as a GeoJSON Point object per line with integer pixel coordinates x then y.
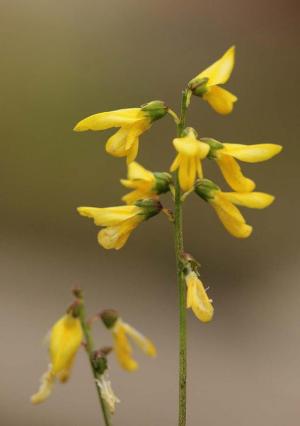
{"type": "Point", "coordinates": [64, 60]}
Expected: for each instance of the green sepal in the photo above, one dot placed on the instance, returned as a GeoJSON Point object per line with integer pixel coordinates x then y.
{"type": "Point", "coordinates": [206, 189]}
{"type": "Point", "coordinates": [100, 364]}
{"type": "Point", "coordinates": [149, 207]}
{"type": "Point", "coordinates": [109, 317]}
{"type": "Point", "coordinates": [162, 182]}
{"type": "Point", "coordinates": [198, 86]}
{"type": "Point", "coordinates": [214, 146]}
{"type": "Point", "coordinates": [188, 130]}
{"type": "Point", "coordinates": [155, 110]}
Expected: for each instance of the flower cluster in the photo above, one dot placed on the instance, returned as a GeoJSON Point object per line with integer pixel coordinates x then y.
{"type": "Point", "coordinates": [71, 332]}
{"type": "Point", "coordinates": [143, 201]}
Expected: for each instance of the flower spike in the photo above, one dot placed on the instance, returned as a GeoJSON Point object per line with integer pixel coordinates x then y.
{"type": "Point", "coordinates": [226, 154]}
{"type": "Point", "coordinates": [121, 331]}
{"type": "Point", "coordinates": [119, 222]}
{"type": "Point", "coordinates": [65, 339]}
{"type": "Point", "coordinates": [223, 204]}
{"type": "Point", "coordinates": [132, 122]}
{"type": "Point", "coordinates": [206, 84]}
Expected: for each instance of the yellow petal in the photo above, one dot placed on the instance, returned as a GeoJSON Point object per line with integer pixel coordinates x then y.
{"type": "Point", "coordinates": [138, 172]}
{"type": "Point", "coordinates": [174, 166]}
{"type": "Point", "coordinates": [143, 343]}
{"type": "Point", "coordinates": [187, 173]}
{"type": "Point", "coordinates": [135, 131]}
{"type": "Point", "coordinates": [252, 153]}
{"type": "Point", "coordinates": [233, 175]}
{"type": "Point", "coordinates": [116, 144]}
{"type": "Point", "coordinates": [236, 227]}
{"type": "Point", "coordinates": [220, 100]}
{"type": "Point", "coordinates": [109, 216]}
{"type": "Point", "coordinates": [254, 200]}
{"type": "Point", "coordinates": [106, 120]}
{"type": "Point", "coordinates": [123, 349]}
{"type": "Point", "coordinates": [45, 390]}
{"type": "Point", "coordinates": [133, 151]}
{"type": "Point", "coordinates": [115, 237]}
{"type": "Point", "coordinates": [197, 298]}
{"type": "Point", "coordinates": [220, 71]}
{"type": "Point", "coordinates": [65, 340]}
{"type": "Point", "coordinates": [191, 147]}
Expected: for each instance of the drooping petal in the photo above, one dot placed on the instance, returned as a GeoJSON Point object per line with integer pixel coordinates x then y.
{"type": "Point", "coordinates": [143, 342]}
{"type": "Point", "coordinates": [232, 219]}
{"type": "Point", "coordinates": [252, 153]}
{"type": "Point", "coordinates": [138, 172]}
{"type": "Point", "coordinates": [197, 298]}
{"type": "Point", "coordinates": [220, 100]}
{"type": "Point", "coordinates": [109, 216]}
{"type": "Point", "coordinates": [187, 173]}
{"type": "Point", "coordinates": [174, 166]}
{"type": "Point", "coordinates": [220, 71]}
{"type": "Point", "coordinates": [123, 349]}
{"type": "Point", "coordinates": [45, 390]}
{"type": "Point", "coordinates": [254, 200]}
{"type": "Point", "coordinates": [115, 237]}
{"type": "Point", "coordinates": [116, 144]}
{"type": "Point", "coordinates": [133, 151]}
{"type": "Point", "coordinates": [106, 120]}
{"type": "Point", "coordinates": [233, 175]}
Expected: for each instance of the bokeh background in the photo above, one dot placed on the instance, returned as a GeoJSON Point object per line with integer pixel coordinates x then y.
{"type": "Point", "coordinates": [64, 60]}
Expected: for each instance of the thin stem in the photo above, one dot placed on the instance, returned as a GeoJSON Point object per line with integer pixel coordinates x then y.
{"type": "Point", "coordinates": [180, 276]}
{"type": "Point", "coordinates": [89, 346]}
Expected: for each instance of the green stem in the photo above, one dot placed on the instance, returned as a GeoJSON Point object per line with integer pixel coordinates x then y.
{"type": "Point", "coordinates": [180, 276]}
{"type": "Point", "coordinates": [89, 346]}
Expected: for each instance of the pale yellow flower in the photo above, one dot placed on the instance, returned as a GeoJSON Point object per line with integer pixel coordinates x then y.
{"type": "Point", "coordinates": [65, 339]}
{"type": "Point", "coordinates": [206, 84]}
{"type": "Point", "coordinates": [224, 205]}
{"type": "Point", "coordinates": [119, 221]}
{"type": "Point", "coordinates": [144, 183]}
{"type": "Point", "coordinates": [188, 160]}
{"type": "Point", "coordinates": [197, 298]}
{"type": "Point", "coordinates": [226, 154]}
{"type": "Point", "coordinates": [132, 122]}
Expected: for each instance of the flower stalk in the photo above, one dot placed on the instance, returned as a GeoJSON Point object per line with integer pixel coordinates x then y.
{"type": "Point", "coordinates": [89, 347]}
{"type": "Point", "coordinates": [178, 231]}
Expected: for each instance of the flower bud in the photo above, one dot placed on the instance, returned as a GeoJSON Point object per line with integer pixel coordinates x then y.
{"type": "Point", "coordinates": [109, 317]}
{"type": "Point", "coordinates": [206, 189]}
{"type": "Point", "coordinates": [99, 362]}
{"type": "Point", "coordinates": [149, 207]}
{"type": "Point", "coordinates": [155, 110]}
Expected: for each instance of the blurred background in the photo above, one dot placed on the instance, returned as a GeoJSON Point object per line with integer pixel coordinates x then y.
{"type": "Point", "coordinates": [64, 60]}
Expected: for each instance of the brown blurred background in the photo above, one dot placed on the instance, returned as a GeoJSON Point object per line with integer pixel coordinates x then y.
{"type": "Point", "coordinates": [64, 60]}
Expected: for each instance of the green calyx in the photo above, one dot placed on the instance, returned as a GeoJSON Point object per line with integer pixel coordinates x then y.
{"type": "Point", "coordinates": [162, 182]}
{"type": "Point", "coordinates": [109, 317]}
{"type": "Point", "coordinates": [214, 146]}
{"type": "Point", "coordinates": [149, 207]}
{"type": "Point", "coordinates": [206, 189]}
{"type": "Point", "coordinates": [189, 131]}
{"type": "Point", "coordinates": [155, 110]}
{"type": "Point", "coordinates": [100, 363]}
{"type": "Point", "coordinates": [198, 86]}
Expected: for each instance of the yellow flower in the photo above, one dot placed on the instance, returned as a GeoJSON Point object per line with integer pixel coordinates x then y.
{"type": "Point", "coordinates": [119, 221]}
{"type": "Point", "coordinates": [65, 339]}
{"type": "Point", "coordinates": [121, 331]}
{"type": "Point", "coordinates": [132, 122]}
{"type": "Point", "coordinates": [206, 84]}
{"type": "Point", "coordinates": [225, 154]}
{"type": "Point", "coordinates": [144, 183]}
{"type": "Point", "coordinates": [224, 205]}
{"type": "Point", "coordinates": [188, 160]}
{"type": "Point", "coordinates": [197, 298]}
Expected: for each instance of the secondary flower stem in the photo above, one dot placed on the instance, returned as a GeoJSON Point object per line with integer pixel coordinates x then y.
{"type": "Point", "coordinates": [180, 276]}
{"type": "Point", "coordinates": [89, 347]}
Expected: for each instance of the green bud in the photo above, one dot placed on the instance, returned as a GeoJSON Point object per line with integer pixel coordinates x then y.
{"type": "Point", "coordinates": [149, 207]}
{"type": "Point", "coordinates": [206, 189]}
{"type": "Point", "coordinates": [214, 147]}
{"type": "Point", "coordinates": [155, 110]}
{"type": "Point", "coordinates": [162, 182]}
{"type": "Point", "coordinates": [198, 86]}
{"type": "Point", "coordinates": [189, 130]}
{"type": "Point", "coordinates": [109, 317]}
